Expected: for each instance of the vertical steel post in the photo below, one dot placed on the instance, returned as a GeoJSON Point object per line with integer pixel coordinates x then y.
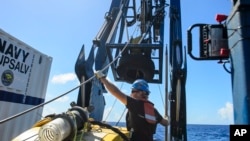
{"type": "Point", "coordinates": [238, 26]}
{"type": "Point", "coordinates": [177, 75]}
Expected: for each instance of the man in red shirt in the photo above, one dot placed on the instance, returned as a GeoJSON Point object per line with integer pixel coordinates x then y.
{"type": "Point", "coordinates": [142, 117]}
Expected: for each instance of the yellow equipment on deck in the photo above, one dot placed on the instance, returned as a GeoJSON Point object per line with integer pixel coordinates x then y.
{"type": "Point", "coordinates": [96, 133]}
{"type": "Point", "coordinates": [74, 125]}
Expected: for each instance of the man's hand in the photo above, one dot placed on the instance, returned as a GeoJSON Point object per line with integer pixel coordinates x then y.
{"type": "Point", "coordinates": [99, 74]}
{"type": "Point", "coordinates": [166, 117]}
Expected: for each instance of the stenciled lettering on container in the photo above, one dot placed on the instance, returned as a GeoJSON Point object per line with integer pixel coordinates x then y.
{"type": "Point", "coordinates": [13, 57]}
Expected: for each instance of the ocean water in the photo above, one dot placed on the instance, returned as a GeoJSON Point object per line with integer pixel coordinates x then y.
{"type": "Point", "coordinates": [197, 132]}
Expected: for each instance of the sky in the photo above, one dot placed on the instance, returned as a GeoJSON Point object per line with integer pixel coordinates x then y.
{"type": "Point", "coordinates": [59, 28]}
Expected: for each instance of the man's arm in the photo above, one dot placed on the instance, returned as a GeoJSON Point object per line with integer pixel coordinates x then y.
{"type": "Point", "coordinates": [112, 88]}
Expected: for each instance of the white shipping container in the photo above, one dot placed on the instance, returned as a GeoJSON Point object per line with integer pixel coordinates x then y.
{"type": "Point", "coordinates": [24, 73]}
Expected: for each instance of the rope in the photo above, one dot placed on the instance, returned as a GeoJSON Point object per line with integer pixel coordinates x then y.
{"type": "Point", "coordinates": [161, 96]}
{"type": "Point", "coordinates": [121, 116]}
{"type": "Point", "coordinates": [42, 104]}
{"type": "Point", "coordinates": [112, 128]}
{"type": "Point", "coordinates": [112, 109]}
{"type": "Point", "coordinates": [112, 106]}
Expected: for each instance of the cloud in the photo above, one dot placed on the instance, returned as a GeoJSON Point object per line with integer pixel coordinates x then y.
{"type": "Point", "coordinates": [226, 112]}
{"type": "Point", "coordinates": [63, 78]}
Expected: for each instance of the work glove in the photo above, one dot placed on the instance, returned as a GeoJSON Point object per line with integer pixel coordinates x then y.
{"type": "Point", "coordinates": [99, 74]}
{"type": "Point", "coordinates": [166, 117]}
